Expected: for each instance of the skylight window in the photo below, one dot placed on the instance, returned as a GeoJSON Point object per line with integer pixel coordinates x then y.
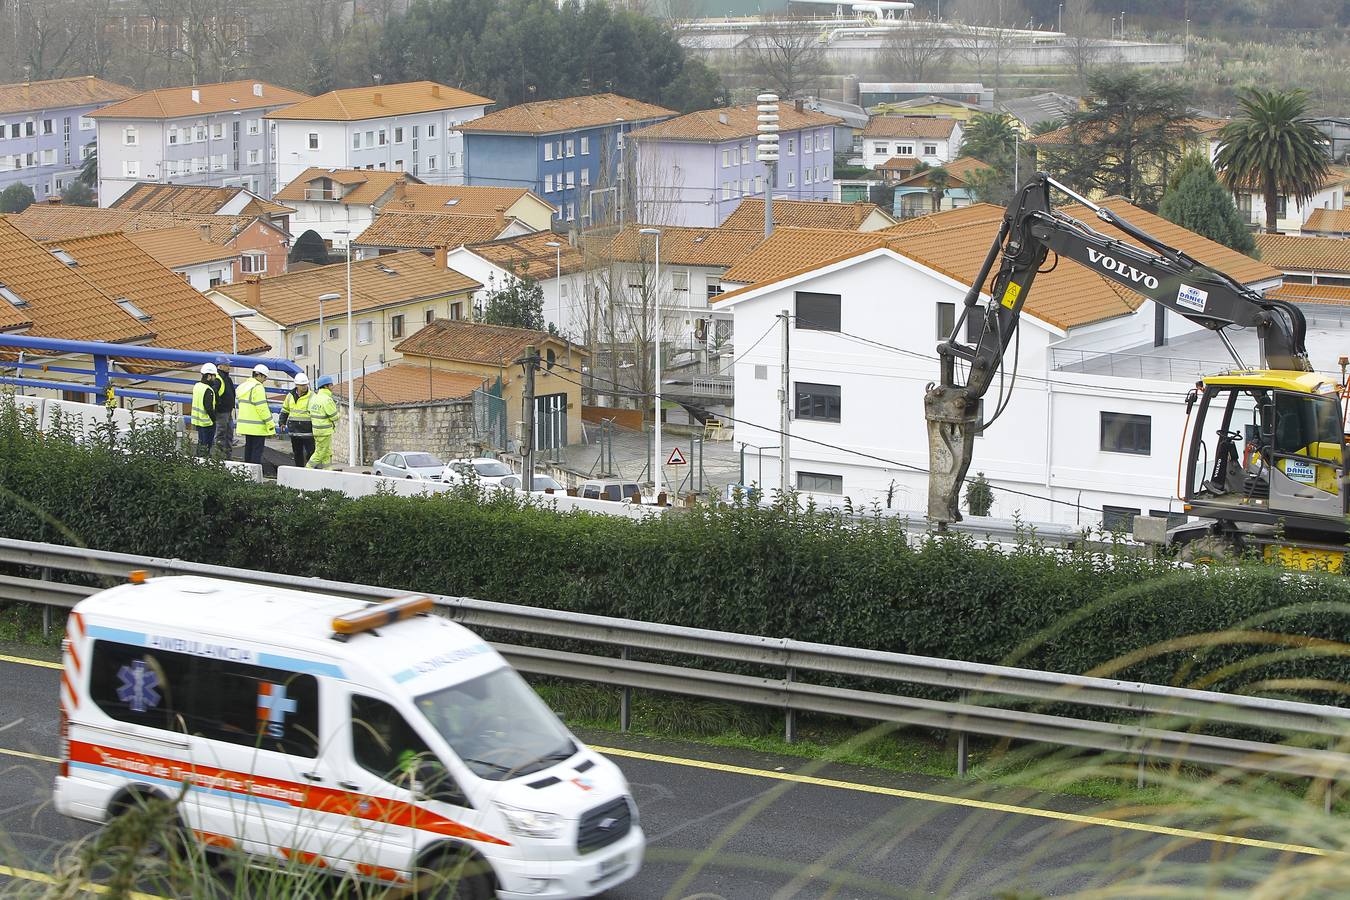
{"type": "Point", "coordinates": [63, 256]}
{"type": "Point", "coordinates": [133, 309]}
{"type": "Point", "coordinates": [14, 299]}
{"type": "Point", "coordinates": [452, 201]}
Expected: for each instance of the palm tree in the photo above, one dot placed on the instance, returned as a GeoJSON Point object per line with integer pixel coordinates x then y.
{"type": "Point", "coordinates": [1273, 147]}
{"type": "Point", "coordinates": [988, 137]}
{"type": "Point", "coordinates": [938, 180]}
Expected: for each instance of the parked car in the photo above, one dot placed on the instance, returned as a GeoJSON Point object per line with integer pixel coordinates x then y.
{"type": "Point", "coordinates": [487, 471]}
{"type": "Point", "coordinates": [418, 465]}
{"type": "Point", "coordinates": [545, 483]}
{"type": "Point", "coordinates": [603, 489]}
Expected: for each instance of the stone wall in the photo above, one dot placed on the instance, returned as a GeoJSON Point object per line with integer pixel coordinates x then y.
{"type": "Point", "coordinates": [443, 427]}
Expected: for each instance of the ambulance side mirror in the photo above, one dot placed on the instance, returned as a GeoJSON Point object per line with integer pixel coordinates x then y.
{"type": "Point", "coordinates": [432, 782]}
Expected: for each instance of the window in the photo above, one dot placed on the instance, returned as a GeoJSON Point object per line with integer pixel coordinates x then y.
{"type": "Point", "coordinates": [745, 153]}
{"type": "Point", "coordinates": [253, 262]}
{"type": "Point", "coordinates": [571, 179]}
{"type": "Point", "coordinates": [3, 132]}
{"type": "Point", "coordinates": [130, 138]}
{"type": "Point", "coordinates": [726, 158]}
{"type": "Point", "coordinates": [384, 167]}
{"type": "Point", "coordinates": [930, 149]}
{"type": "Point", "coordinates": [254, 126]}
{"type": "Point", "coordinates": [314, 140]}
{"type": "Point", "coordinates": [904, 149]}
{"type": "Point", "coordinates": [172, 136]}
{"type": "Point", "coordinates": [133, 310]}
{"type": "Point", "coordinates": [759, 184]}
{"type": "Point", "coordinates": [946, 320]}
{"type": "Point", "coordinates": [12, 298]}
{"type": "Point", "coordinates": [585, 177]}
{"type": "Point", "coordinates": [824, 142]}
{"type": "Point", "coordinates": [370, 139]}
{"type": "Point", "coordinates": [548, 184]}
{"type": "Point", "coordinates": [558, 149]}
{"type": "Point", "coordinates": [216, 277]}
{"type": "Point", "coordinates": [548, 151]}
{"type": "Point", "coordinates": [16, 130]}
{"type": "Point", "coordinates": [1126, 433]}
{"type": "Point", "coordinates": [806, 175]}
{"type": "Point", "coordinates": [726, 190]}
{"type": "Point", "coordinates": [200, 134]}
{"type": "Point", "coordinates": [253, 157]}
{"type": "Point", "coordinates": [398, 165]}
{"type": "Point", "coordinates": [818, 402]}
{"type": "Point", "coordinates": [429, 316]}
{"type": "Point", "coordinates": [217, 130]}
{"type": "Point", "coordinates": [365, 331]}
{"type": "Point", "coordinates": [792, 146]}
{"type": "Point", "coordinates": [818, 483]}
{"type": "Point", "coordinates": [86, 123]}
{"type": "Point", "coordinates": [334, 333]}
{"type": "Point", "coordinates": [817, 312]}
{"type": "Point", "coordinates": [48, 157]}
{"type": "Point", "coordinates": [356, 140]}
{"type": "Point", "coordinates": [1118, 518]}
{"type": "Point", "coordinates": [131, 168]}
{"type": "Point", "coordinates": [398, 134]}
{"type": "Point", "coordinates": [431, 131]}
{"type": "Point", "coordinates": [431, 164]}
{"type": "Point", "coordinates": [382, 138]}
{"type": "Point", "coordinates": [679, 281]}
{"type": "Point", "coordinates": [396, 326]}
{"type": "Point", "coordinates": [29, 129]}
{"type": "Point", "coordinates": [571, 148]}
{"type": "Point", "coordinates": [571, 212]}
{"type": "Point", "coordinates": [384, 744]}
{"type": "Point", "coordinates": [791, 178]}
{"type": "Point", "coordinates": [585, 146]}
{"type": "Point", "coordinates": [456, 311]}
{"type": "Point", "coordinates": [1281, 206]}
{"type": "Point", "coordinates": [714, 288]}
{"type": "Point", "coordinates": [271, 709]}
{"type": "Point", "coordinates": [301, 345]}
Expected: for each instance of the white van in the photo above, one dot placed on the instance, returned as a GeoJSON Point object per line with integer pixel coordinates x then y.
{"type": "Point", "coordinates": [372, 740]}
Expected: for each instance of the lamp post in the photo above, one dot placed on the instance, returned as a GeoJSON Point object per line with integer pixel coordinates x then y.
{"type": "Point", "coordinates": [656, 305]}
{"type": "Point", "coordinates": [234, 325]}
{"type": "Point", "coordinates": [1059, 20]}
{"type": "Point", "coordinates": [322, 299]}
{"type": "Point", "coordinates": [351, 356]}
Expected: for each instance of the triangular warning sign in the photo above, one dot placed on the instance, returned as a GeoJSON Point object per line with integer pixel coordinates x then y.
{"type": "Point", "coordinates": [676, 458]}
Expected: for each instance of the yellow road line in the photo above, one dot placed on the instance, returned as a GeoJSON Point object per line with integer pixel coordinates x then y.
{"type": "Point", "coordinates": [46, 878]}
{"type": "Point", "coordinates": [22, 755]}
{"type": "Point", "coordinates": [970, 803]}
{"type": "Point", "coordinates": [24, 661]}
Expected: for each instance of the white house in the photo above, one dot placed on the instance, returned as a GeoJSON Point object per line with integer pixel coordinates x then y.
{"type": "Point", "coordinates": [926, 139]}
{"type": "Point", "coordinates": [1094, 417]}
{"type": "Point", "coordinates": [550, 259]}
{"type": "Point", "coordinates": [1291, 216]}
{"type": "Point", "coordinates": [408, 127]}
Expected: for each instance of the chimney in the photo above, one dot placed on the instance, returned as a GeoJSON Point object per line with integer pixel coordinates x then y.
{"type": "Point", "coordinates": [204, 231]}
{"type": "Point", "coordinates": [257, 89]}
{"type": "Point", "coordinates": [799, 104]}
{"type": "Point", "coordinates": [722, 117]}
{"type": "Point", "coordinates": [501, 218]}
{"type": "Point", "coordinates": [378, 99]}
{"type": "Point", "coordinates": [436, 90]}
{"type": "Point", "coordinates": [196, 96]}
{"type": "Point", "coordinates": [54, 201]}
{"type": "Point", "coordinates": [442, 256]}
{"type": "Point", "coordinates": [254, 291]}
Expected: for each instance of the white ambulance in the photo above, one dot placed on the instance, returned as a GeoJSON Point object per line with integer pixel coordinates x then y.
{"type": "Point", "coordinates": [372, 740]}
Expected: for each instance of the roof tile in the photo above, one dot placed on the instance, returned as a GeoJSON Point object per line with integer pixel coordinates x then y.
{"type": "Point", "coordinates": [909, 127]}
{"type": "Point", "coordinates": [550, 116]}
{"type": "Point", "coordinates": [1290, 253]}
{"type": "Point", "coordinates": [459, 341]}
{"type": "Point", "coordinates": [729, 124]}
{"type": "Point", "coordinates": [530, 255]}
{"type": "Point", "coordinates": [190, 198]}
{"type": "Point", "coordinates": [749, 215]}
{"type": "Point", "coordinates": [85, 90]}
{"type": "Point", "coordinates": [176, 102]}
{"type": "Point", "coordinates": [364, 187]}
{"type": "Point", "coordinates": [459, 200]}
{"type": "Point", "coordinates": [380, 101]}
{"type": "Point", "coordinates": [427, 231]}
{"type": "Point", "coordinates": [958, 171]}
{"type": "Point", "coordinates": [1331, 221]}
{"type": "Point", "coordinates": [179, 247]}
{"type": "Point", "coordinates": [406, 383]}
{"type": "Point", "coordinates": [1321, 294]}
{"type": "Point", "coordinates": [44, 222]}
{"type": "Point", "coordinates": [685, 246]}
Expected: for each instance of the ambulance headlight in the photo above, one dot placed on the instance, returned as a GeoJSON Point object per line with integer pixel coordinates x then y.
{"type": "Point", "coordinates": [532, 822]}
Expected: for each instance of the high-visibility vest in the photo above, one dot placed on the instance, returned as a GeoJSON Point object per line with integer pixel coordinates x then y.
{"type": "Point", "coordinates": [255, 416]}
{"type": "Point", "coordinates": [323, 410]}
{"type": "Point", "coordinates": [296, 409]}
{"type": "Point", "coordinates": [200, 417]}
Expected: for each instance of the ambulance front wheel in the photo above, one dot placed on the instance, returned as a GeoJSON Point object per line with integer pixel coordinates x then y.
{"type": "Point", "coordinates": [458, 874]}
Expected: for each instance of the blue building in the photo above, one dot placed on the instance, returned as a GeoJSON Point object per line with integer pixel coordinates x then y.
{"type": "Point", "coordinates": [45, 131]}
{"type": "Point", "coordinates": [570, 152]}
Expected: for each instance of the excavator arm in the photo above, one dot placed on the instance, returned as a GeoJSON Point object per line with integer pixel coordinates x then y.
{"type": "Point", "coordinates": [1031, 229]}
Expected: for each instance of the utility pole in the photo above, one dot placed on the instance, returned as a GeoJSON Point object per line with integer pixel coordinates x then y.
{"type": "Point", "coordinates": [529, 362]}
{"type": "Point", "coordinates": [785, 403]}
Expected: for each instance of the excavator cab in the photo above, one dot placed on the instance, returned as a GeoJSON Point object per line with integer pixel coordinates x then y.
{"type": "Point", "coordinates": [1269, 445]}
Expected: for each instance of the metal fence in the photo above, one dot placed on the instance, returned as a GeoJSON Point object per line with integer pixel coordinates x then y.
{"type": "Point", "coordinates": [998, 701]}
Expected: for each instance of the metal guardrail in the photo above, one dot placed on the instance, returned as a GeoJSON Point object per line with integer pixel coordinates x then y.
{"type": "Point", "coordinates": [988, 692]}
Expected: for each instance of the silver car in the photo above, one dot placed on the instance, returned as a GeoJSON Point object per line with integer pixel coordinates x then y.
{"type": "Point", "coordinates": [485, 470]}
{"type": "Point", "coordinates": [416, 465]}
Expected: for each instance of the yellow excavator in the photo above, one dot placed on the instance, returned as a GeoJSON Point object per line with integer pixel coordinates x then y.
{"type": "Point", "coordinates": [1265, 454]}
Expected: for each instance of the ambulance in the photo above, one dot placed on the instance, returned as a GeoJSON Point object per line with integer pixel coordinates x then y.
{"type": "Point", "coordinates": [374, 741]}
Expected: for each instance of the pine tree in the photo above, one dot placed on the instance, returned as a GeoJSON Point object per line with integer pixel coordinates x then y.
{"type": "Point", "coordinates": [1195, 200]}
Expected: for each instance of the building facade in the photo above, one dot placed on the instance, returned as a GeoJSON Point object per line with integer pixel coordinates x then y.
{"type": "Point", "coordinates": [695, 169]}
{"type": "Point", "coordinates": [912, 138]}
{"type": "Point", "coordinates": [411, 127]}
{"type": "Point", "coordinates": [212, 134]}
{"type": "Point", "coordinates": [46, 132]}
{"type": "Point", "coordinates": [570, 152]}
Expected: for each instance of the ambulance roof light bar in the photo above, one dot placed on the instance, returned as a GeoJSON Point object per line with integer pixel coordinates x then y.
{"type": "Point", "coordinates": [379, 614]}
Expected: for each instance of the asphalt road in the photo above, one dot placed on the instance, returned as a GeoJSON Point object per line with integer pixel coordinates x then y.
{"type": "Point", "coordinates": [745, 826]}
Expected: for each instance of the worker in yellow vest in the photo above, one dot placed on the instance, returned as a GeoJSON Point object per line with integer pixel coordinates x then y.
{"type": "Point", "coordinates": [323, 415]}
{"type": "Point", "coordinates": [204, 394]}
{"type": "Point", "coordinates": [295, 420]}
{"type": "Point", "coordinates": [255, 416]}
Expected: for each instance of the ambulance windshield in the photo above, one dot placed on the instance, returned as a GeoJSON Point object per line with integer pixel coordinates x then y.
{"type": "Point", "coordinates": [498, 726]}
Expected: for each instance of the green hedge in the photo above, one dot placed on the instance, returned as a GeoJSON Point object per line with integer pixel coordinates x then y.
{"type": "Point", "coordinates": [779, 572]}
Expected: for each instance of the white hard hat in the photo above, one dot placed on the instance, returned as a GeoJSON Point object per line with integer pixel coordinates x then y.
{"type": "Point", "coordinates": [209, 369]}
{"type": "Point", "coordinates": [260, 369]}
{"type": "Point", "coordinates": [301, 378]}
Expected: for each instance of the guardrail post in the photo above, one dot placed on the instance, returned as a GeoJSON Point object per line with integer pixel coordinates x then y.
{"type": "Point", "coordinates": [1139, 778]}
{"type": "Point", "coordinates": [625, 700]}
{"type": "Point", "coordinates": [790, 719]}
{"type": "Point", "coordinates": [46, 610]}
{"type": "Point", "coordinates": [962, 747]}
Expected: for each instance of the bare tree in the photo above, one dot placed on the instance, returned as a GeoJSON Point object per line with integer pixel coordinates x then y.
{"type": "Point", "coordinates": [1082, 41]}
{"type": "Point", "coordinates": [989, 31]}
{"type": "Point", "coordinates": [789, 55]}
{"type": "Point", "coordinates": [51, 39]}
{"type": "Point", "coordinates": [919, 48]}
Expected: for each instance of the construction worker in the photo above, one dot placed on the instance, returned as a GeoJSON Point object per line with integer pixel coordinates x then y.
{"type": "Point", "coordinates": [255, 416]}
{"type": "Point", "coordinates": [225, 401]}
{"type": "Point", "coordinates": [295, 420]}
{"type": "Point", "coordinates": [204, 394]}
{"type": "Point", "coordinates": [323, 414]}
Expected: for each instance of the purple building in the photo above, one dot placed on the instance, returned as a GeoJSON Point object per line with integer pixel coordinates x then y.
{"type": "Point", "coordinates": [696, 168]}
{"type": "Point", "coordinates": [45, 131]}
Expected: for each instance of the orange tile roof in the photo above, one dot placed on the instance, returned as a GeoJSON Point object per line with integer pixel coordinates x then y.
{"type": "Point", "coordinates": [740, 122]}
{"type": "Point", "coordinates": [371, 185]}
{"type": "Point", "coordinates": [1321, 294]}
{"type": "Point", "coordinates": [180, 316]}
{"type": "Point", "coordinates": [1288, 252]}
{"type": "Point", "coordinates": [529, 255]}
{"type": "Point", "coordinates": [62, 303]}
{"type": "Point", "coordinates": [191, 198]}
{"type": "Point", "coordinates": [685, 246]}
{"type": "Point", "coordinates": [460, 341]}
{"type": "Point", "coordinates": [181, 246]}
{"type": "Point", "coordinates": [958, 170]}
{"type": "Point", "coordinates": [84, 90]}
{"type": "Point", "coordinates": [909, 127]}
{"type": "Point", "coordinates": [749, 215]}
{"type": "Point", "coordinates": [955, 243]}
{"type": "Point", "coordinates": [427, 231]}
{"type": "Point", "coordinates": [406, 383]}
{"type": "Point", "coordinates": [549, 116]}
{"type": "Point", "coordinates": [460, 200]}
{"type": "Point", "coordinates": [379, 101]}
{"type": "Point", "coordinates": [293, 298]}
{"type": "Point", "coordinates": [1334, 221]}
{"type": "Point", "coordinates": [177, 102]}
{"type": "Point", "coordinates": [902, 163]}
{"type": "Point", "coordinates": [789, 250]}
{"type": "Point", "coordinates": [45, 222]}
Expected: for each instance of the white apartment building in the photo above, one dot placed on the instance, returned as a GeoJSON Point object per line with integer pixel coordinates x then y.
{"type": "Point", "coordinates": [211, 134]}
{"type": "Point", "coordinates": [1094, 419]}
{"type": "Point", "coordinates": [926, 139]}
{"type": "Point", "coordinates": [408, 127]}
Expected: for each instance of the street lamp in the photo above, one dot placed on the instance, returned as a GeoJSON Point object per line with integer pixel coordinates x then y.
{"type": "Point", "coordinates": [351, 357]}
{"type": "Point", "coordinates": [322, 299]}
{"type": "Point", "coordinates": [1059, 22]}
{"type": "Point", "coordinates": [234, 325]}
{"type": "Point", "coordinates": [656, 304]}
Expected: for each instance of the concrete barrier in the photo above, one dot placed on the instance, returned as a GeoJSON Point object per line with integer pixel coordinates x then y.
{"type": "Point", "coordinates": [564, 503]}
{"type": "Point", "coordinates": [354, 484]}
{"type": "Point", "coordinates": [85, 418]}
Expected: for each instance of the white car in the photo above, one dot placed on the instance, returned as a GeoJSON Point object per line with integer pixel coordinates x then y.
{"type": "Point", "coordinates": [544, 483]}
{"type": "Point", "coordinates": [485, 470]}
{"type": "Point", "coordinates": [420, 466]}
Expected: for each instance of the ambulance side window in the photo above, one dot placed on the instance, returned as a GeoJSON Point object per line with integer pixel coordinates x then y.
{"type": "Point", "coordinates": [384, 744]}
{"type": "Point", "coordinates": [213, 698]}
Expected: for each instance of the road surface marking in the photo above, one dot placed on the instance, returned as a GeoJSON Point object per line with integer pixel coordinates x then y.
{"type": "Point", "coordinates": [24, 661]}
{"type": "Point", "coordinates": [45, 878]}
{"type": "Point", "coordinates": [22, 755]}
{"type": "Point", "coordinates": [970, 803]}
